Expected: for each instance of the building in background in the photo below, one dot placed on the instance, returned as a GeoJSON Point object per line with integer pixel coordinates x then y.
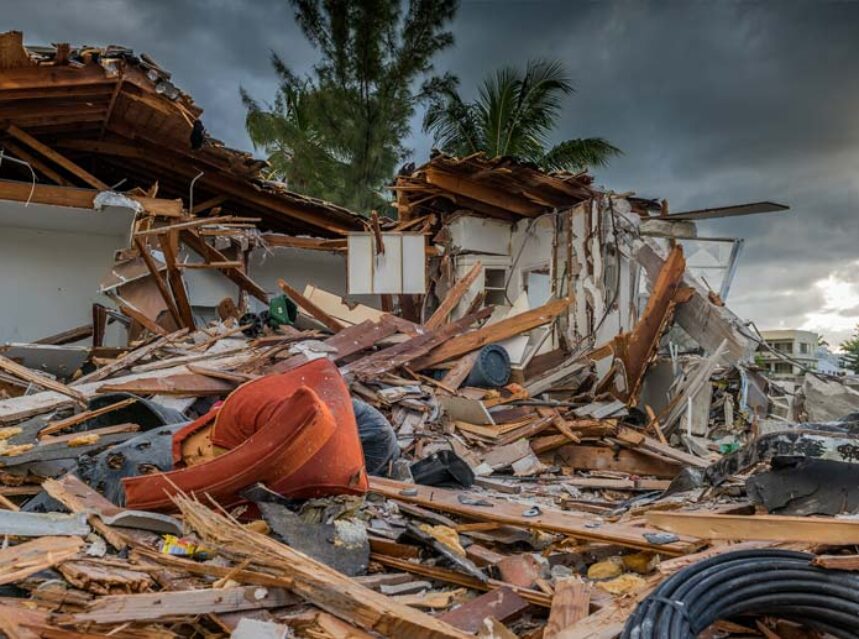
{"type": "Point", "coordinates": [830, 363]}
{"type": "Point", "coordinates": [799, 346]}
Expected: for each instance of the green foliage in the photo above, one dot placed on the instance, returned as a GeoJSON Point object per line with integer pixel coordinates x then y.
{"type": "Point", "coordinates": [337, 134]}
{"type": "Point", "coordinates": [850, 348]}
{"type": "Point", "coordinates": [513, 114]}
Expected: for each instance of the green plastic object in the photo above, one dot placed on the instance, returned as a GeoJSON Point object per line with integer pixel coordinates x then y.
{"type": "Point", "coordinates": [282, 310]}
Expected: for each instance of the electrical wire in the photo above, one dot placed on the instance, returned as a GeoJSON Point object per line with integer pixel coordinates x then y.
{"type": "Point", "coordinates": [5, 156]}
{"type": "Point", "coordinates": [762, 343]}
{"type": "Point", "coordinates": [760, 582]}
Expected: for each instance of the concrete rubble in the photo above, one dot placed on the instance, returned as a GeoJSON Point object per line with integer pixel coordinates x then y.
{"type": "Point", "coordinates": [515, 409]}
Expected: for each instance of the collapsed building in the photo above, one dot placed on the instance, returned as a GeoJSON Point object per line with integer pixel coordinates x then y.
{"type": "Point", "coordinates": [579, 428]}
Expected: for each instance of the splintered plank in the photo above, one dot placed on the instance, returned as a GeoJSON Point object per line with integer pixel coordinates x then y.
{"type": "Point", "coordinates": [18, 408]}
{"type": "Point", "coordinates": [502, 604]}
{"type": "Point", "coordinates": [837, 562]}
{"type": "Point", "coordinates": [458, 373]}
{"type": "Point", "coordinates": [30, 557]}
{"type": "Point", "coordinates": [536, 597]}
{"type": "Point", "coordinates": [130, 358]}
{"type": "Point", "coordinates": [315, 582]}
{"type": "Point", "coordinates": [815, 530]}
{"type": "Point", "coordinates": [349, 341]}
{"type": "Point", "coordinates": [400, 354]}
{"type": "Point", "coordinates": [636, 348]}
{"type": "Point", "coordinates": [315, 311]}
{"type": "Point", "coordinates": [640, 442]}
{"type": "Point", "coordinates": [606, 623]}
{"type": "Point", "coordinates": [454, 295]}
{"type": "Point", "coordinates": [157, 605]}
{"type": "Point", "coordinates": [497, 332]}
{"type": "Point", "coordinates": [359, 337]}
{"type": "Point", "coordinates": [182, 384]}
{"type": "Point", "coordinates": [211, 254]}
{"type": "Point", "coordinates": [63, 161]}
{"type": "Point", "coordinates": [203, 221]}
{"type": "Point", "coordinates": [551, 520]}
{"type": "Point", "coordinates": [707, 323]}
{"type": "Point", "coordinates": [22, 372]}
{"type": "Point", "coordinates": [624, 460]}
{"type": "Point", "coordinates": [77, 497]}
{"type": "Point", "coordinates": [155, 274]}
{"type": "Point", "coordinates": [16, 621]}
{"type": "Point", "coordinates": [570, 605]}
{"type": "Point", "coordinates": [177, 283]}
{"type": "Point", "coordinates": [129, 310]}
{"type": "Point", "coordinates": [601, 483]}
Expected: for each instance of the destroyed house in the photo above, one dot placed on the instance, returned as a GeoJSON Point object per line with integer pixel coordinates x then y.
{"type": "Point", "coordinates": [99, 143]}
{"type": "Point", "coordinates": [518, 238]}
{"type": "Point", "coordinates": [518, 407]}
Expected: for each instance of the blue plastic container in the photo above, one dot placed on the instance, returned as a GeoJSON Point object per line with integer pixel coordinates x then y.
{"type": "Point", "coordinates": [492, 368]}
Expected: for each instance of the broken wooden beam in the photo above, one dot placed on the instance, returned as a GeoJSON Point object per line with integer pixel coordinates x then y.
{"type": "Point", "coordinates": [317, 583]}
{"type": "Point", "coordinates": [706, 322]}
{"type": "Point", "coordinates": [25, 559]}
{"type": "Point", "coordinates": [170, 249]}
{"type": "Point", "coordinates": [781, 528]}
{"type": "Point", "coordinates": [512, 513]}
{"type": "Point", "coordinates": [211, 254]}
{"type": "Point", "coordinates": [151, 606]}
{"type": "Point", "coordinates": [63, 161]}
{"type": "Point", "coordinates": [312, 309]}
{"type": "Point", "coordinates": [155, 274]}
{"type": "Point", "coordinates": [131, 357]}
{"type": "Point", "coordinates": [454, 295]}
{"type": "Point", "coordinates": [22, 372]}
{"type": "Point", "coordinates": [492, 333]}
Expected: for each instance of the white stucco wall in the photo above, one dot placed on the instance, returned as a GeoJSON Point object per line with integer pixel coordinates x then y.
{"type": "Point", "coordinates": [299, 267]}
{"type": "Point", "coordinates": [518, 248]}
{"type": "Point", "coordinates": [52, 260]}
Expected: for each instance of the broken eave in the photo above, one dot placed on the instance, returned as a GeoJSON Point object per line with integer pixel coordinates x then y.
{"type": "Point", "coordinates": [501, 187]}
{"type": "Point", "coordinates": [120, 119]}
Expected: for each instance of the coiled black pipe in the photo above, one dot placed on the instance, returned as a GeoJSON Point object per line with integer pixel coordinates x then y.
{"type": "Point", "coordinates": [772, 582]}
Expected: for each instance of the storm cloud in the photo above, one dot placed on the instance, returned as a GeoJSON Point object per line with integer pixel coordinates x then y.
{"type": "Point", "coordinates": [713, 103]}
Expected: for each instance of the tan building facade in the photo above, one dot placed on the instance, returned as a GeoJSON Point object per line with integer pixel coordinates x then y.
{"type": "Point", "coordinates": [800, 346]}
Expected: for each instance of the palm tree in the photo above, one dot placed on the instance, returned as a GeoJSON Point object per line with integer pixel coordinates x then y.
{"type": "Point", "coordinates": [514, 114]}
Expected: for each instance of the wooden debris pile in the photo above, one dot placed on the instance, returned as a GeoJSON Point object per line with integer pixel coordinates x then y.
{"type": "Point", "coordinates": [568, 523]}
{"type": "Point", "coordinates": [615, 452]}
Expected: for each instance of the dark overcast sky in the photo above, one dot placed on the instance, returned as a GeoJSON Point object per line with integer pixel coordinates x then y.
{"type": "Point", "coordinates": [714, 102]}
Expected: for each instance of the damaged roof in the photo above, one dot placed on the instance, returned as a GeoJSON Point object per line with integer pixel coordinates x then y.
{"type": "Point", "coordinates": [502, 188]}
{"type": "Point", "coordinates": [120, 116]}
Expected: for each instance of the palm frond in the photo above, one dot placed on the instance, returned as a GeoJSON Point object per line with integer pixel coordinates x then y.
{"type": "Point", "coordinates": [578, 154]}
{"type": "Point", "coordinates": [451, 121]}
{"type": "Point", "coordinates": [543, 88]}
{"type": "Point", "coordinates": [496, 106]}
